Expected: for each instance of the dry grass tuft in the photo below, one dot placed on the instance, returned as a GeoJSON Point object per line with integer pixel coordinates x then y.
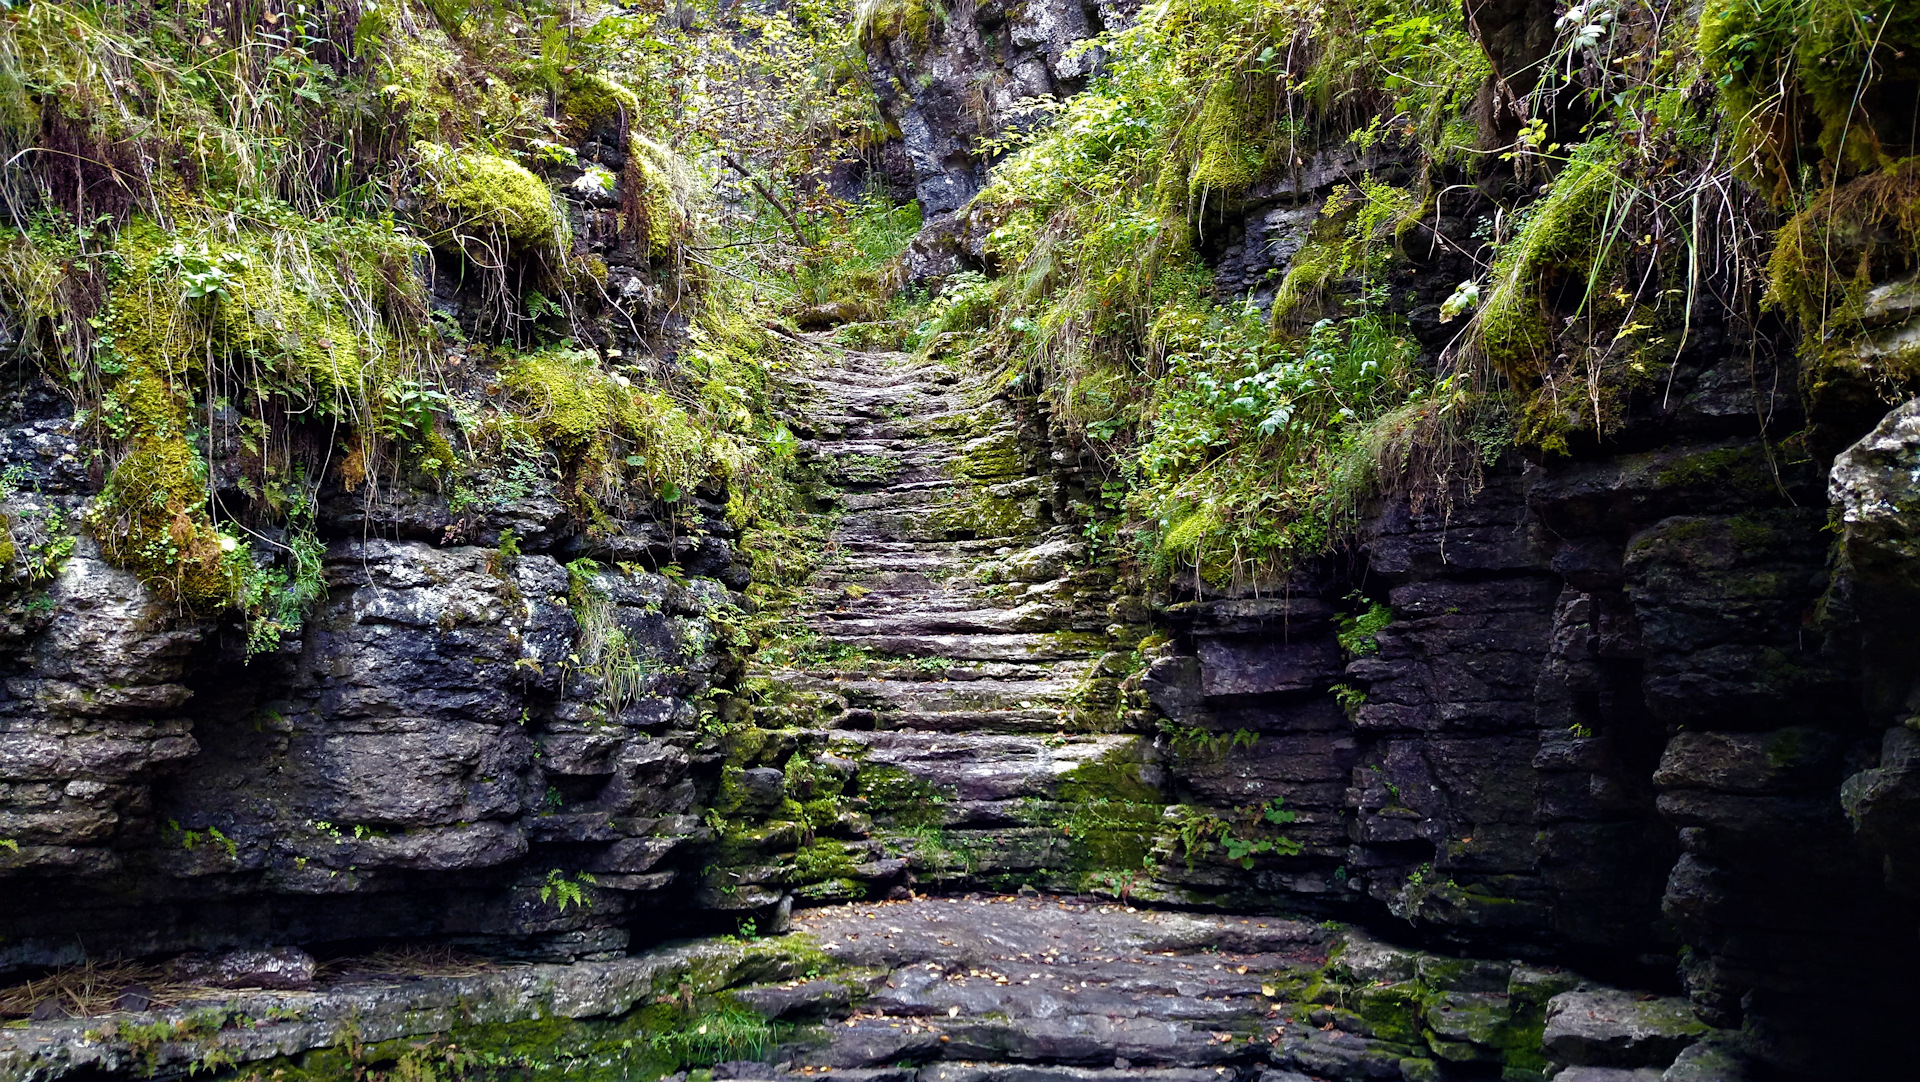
{"type": "Point", "coordinates": [91, 988]}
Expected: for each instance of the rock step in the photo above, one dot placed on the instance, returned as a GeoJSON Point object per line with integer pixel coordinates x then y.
{"type": "Point", "coordinates": [1047, 990]}
{"type": "Point", "coordinates": [995, 647]}
{"type": "Point", "coordinates": [951, 705]}
{"type": "Point", "coordinates": [1020, 618]}
{"type": "Point", "coordinates": [976, 766]}
{"type": "Point", "coordinates": [928, 523]}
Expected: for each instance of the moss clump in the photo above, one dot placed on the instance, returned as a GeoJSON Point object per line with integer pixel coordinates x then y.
{"type": "Point", "coordinates": [591, 100]}
{"type": "Point", "coordinates": [1355, 236]}
{"type": "Point", "coordinates": [898, 799]}
{"type": "Point", "coordinates": [672, 1034]}
{"type": "Point", "coordinates": [474, 198]}
{"type": "Point", "coordinates": [658, 192]}
{"type": "Point", "coordinates": [187, 309]}
{"type": "Point", "coordinates": [823, 860]}
{"type": "Point", "coordinates": [1744, 468]}
{"type": "Point", "coordinates": [1563, 235]}
{"type": "Point", "coordinates": [1111, 815]}
{"type": "Point", "coordinates": [1840, 70]}
{"type": "Point", "coordinates": [1825, 265]}
{"type": "Point", "coordinates": [877, 22]}
{"type": "Point", "coordinates": [995, 458]}
{"type": "Point", "coordinates": [985, 514]}
{"type": "Point", "coordinates": [619, 440]}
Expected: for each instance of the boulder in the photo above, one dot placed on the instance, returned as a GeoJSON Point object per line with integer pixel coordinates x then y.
{"type": "Point", "coordinates": [1614, 1028]}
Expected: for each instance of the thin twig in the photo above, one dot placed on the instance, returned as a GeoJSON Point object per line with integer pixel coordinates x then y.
{"type": "Point", "coordinates": [734, 164]}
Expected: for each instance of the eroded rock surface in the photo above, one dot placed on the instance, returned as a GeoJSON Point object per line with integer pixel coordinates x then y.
{"type": "Point", "coordinates": [1034, 987]}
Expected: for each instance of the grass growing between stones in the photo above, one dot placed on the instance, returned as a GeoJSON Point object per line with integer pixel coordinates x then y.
{"type": "Point", "coordinates": [650, 1042]}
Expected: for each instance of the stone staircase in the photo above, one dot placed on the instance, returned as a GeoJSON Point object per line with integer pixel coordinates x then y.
{"type": "Point", "coordinates": [953, 639]}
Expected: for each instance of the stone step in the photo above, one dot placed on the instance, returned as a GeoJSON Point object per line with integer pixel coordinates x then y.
{"type": "Point", "coordinates": [997, 646]}
{"type": "Point", "coordinates": [1043, 990]}
{"type": "Point", "coordinates": [988, 766]}
{"type": "Point", "coordinates": [980, 697]}
{"type": "Point", "coordinates": [1020, 618]}
{"type": "Point", "coordinates": [959, 603]}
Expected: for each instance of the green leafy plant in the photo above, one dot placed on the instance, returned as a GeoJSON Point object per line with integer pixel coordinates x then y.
{"type": "Point", "coordinates": [1357, 631]}
{"type": "Point", "coordinates": [1194, 740]}
{"type": "Point", "coordinates": [563, 890]}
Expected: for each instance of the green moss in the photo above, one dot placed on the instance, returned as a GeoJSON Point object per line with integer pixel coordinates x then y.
{"type": "Point", "coordinates": [896, 798]}
{"type": "Point", "coordinates": [1355, 236]}
{"type": "Point", "coordinates": [650, 1041]}
{"type": "Point", "coordinates": [472, 198]}
{"type": "Point", "coordinates": [1847, 66]}
{"type": "Point", "coordinates": [1563, 235]}
{"type": "Point", "coordinates": [186, 311]}
{"type": "Point", "coordinates": [880, 21]}
{"type": "Point", "coordinates": [833, 890]}
{"type": "Point", "coordinates": [1393, 1010]}
{"type": "Point", "coordinates": [619, 440]}
{"type": "Point", "coordinates": [1229, 153]}
{"type": "Point", "coordinates": [993, 459]}
{"type": "Point", "coordinates": [591, 99]}
{"type": "Point", "coordinates": [1109, 813]}
{"type": "Point", "coordinates": [823, 860]}
{"type": "Point", "coordinates": [1743, 468]}
{"type": "Point", "coordinates": [659, 192]}
{"type": "Point", "coordinates": [1824, 264]}
{"type": "Point", "coordinates": [982, 514]}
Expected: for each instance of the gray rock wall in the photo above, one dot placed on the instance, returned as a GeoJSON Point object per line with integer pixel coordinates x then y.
{"type": "Point", "coordinates": [447, 733]}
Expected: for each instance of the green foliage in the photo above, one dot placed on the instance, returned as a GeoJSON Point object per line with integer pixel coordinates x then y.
{"type": "Point", "coordinates": [1243, 849]}
{"type": "Point", "coordinates": [190, 839]}
{"type": "Point", "coordinates": [1256, 450]}
{"type": "Point", "coordinates": [1824, 264]}
{"type": "Point", "coordinates": [258, 274]}
{"type": "Point", "coordinates": [852, 263]}
{"type": "Point", "coordinates": [1593, 291]}
{"type": "Point", "coordinates": [620, 441]}
{"type": "Point", "coordinates": [1246, 834]}
{"type": "Point", "coordinates": [562, 890]}
{"type": "Point", "coordinates": [1194, 741]}
{"type": "Point", "coordinates": [1244, 445]}
{"type": "Point", "coordinates": [1349, 697]}
{"type": "Point", "coordinates": [1561, 235]}
{"type": "Point", "coordinates": [1356, 630]}
{"type": "Point", "coordinates": [725, 1034]}
{"type": "Point", "coordinates": [1836, 70]}
{"type": "Point", "coordinates": [603, 649]}
{"type": "Point", "coordinates": [298, 313]}
{"type": "Point", "coordinates": [482, 204]}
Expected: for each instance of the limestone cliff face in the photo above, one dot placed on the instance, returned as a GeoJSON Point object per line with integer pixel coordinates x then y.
{"type": "Point", "coordinates": [1645, 705]}
{"type": "Point", "coordinates": [1645, 708]}
{"type": "Point", "coordinates": [420, 761]}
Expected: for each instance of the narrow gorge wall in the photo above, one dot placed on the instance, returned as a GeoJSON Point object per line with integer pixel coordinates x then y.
{"type": "Point", "coordinates": [1622, 692]}
{"type": "Point", "coordinates": [1637, 703]}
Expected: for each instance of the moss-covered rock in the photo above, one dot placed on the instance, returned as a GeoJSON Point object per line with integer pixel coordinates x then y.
{"type": "Point", "coordinates": [483, 205]}
{"type": "Point", "coordinates": [592, 101]}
